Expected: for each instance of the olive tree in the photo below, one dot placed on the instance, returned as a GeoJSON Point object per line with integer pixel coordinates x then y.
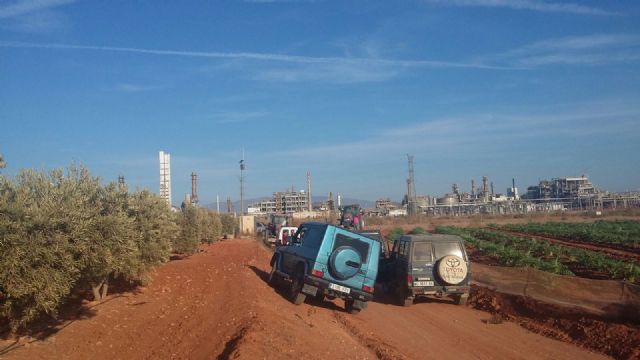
{"type": "Point", "coordinates": [155, 229]}
{"type": "Point", "coordinates": [189, 239]}
{"type": "Point", "coordinates": [38, 262]}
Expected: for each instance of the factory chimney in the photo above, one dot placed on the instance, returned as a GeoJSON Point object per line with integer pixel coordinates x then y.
{"type": "Point", "coordinates": [194, 188]}
{"type": "Point", "coordinates": [309, 198]}
{"type": "Point", "coordinates": [485, 188]}
{"type": "Point", "coordinates": [473, 188]}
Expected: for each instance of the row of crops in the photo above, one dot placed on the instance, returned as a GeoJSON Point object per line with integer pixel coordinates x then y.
{"type": "Point", "coordinates": [624, 233]}
{"type": "Point", "coordinates": [510, 250]}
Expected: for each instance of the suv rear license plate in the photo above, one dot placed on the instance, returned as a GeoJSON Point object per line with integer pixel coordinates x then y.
{"type": "Point", "coordinates": [340, 288]}
{"type": "Point", "coordinates": [423, 283]}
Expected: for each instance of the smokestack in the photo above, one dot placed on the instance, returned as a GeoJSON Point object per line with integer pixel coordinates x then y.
{"type": "Point", "coordinates": [194, 188]}
{"type": "Point", "coordinates": [513, 183]}
{"type": "Point", "coordinates": [485, 188]}
{"type": "Point", "coordinates": [310, 205]}
{"type": "Point", "coordinates": [473, 188]}
{"type": "Point", "coordinates": [492, 193]}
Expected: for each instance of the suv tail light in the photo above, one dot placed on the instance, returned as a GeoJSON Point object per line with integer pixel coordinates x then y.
{"type": "Point", "coordinates": [368, 289]}
{"type": "Point", "coordinates": [409, 280]}
{"type": "Point", "coordinates": [317, 273]}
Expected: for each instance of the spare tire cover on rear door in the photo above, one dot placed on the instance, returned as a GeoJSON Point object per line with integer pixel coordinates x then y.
{"type": "Point", "coordinates": [344, 262]}
{"type": "Point", "coordinates": [452, 269]}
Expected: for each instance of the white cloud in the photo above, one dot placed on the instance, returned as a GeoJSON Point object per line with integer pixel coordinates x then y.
{"type": "Point", "coordinates": [23, 7]}
{"type": "Point", "coordinates": [337, 73]}
{"type": "Point", "coordinates": [270, 57]}
{"type": "Point", "coordinates": [534, 5]}
{"type": "Point", "coordinates": [231, 117]}
{"type": "Point", "coordinates": [134, 88]}
{"type": "Point", "coordinates": [594, 49]}
{"type": "Point", "coordinates": [456, 136]}
{"type": "Point", "coordinates": [34, 16]}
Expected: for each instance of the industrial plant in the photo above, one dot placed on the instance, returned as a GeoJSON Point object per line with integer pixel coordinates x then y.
{"type": "Point", "coordinates": [557, 194]}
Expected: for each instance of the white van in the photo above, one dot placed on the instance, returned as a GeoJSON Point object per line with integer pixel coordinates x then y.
{"type": "Point", "coordinates": [287, 232]}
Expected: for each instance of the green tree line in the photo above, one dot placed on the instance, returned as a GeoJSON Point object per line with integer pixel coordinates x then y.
{"type": "Point", "coordinates": [63, 232]}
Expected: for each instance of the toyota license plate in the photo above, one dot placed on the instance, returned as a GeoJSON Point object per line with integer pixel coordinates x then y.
{"type": "Point", "coordinates": [340, 288]}
{"type": "Point", "coordinates": [423, 283]}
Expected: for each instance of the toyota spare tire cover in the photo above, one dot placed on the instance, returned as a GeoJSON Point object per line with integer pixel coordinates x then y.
{"type": "Point", "coordinates": [452, 269]}
{"type": "Point", "coordinates": [345, 262]}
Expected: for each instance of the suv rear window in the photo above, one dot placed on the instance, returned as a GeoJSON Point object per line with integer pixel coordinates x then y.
{"type": "Point", "coordinates": [361, 247]}
{"type": "Point", "coordinates": [442, 249]}
{"type": "Point", "coordinates": [422, 251]}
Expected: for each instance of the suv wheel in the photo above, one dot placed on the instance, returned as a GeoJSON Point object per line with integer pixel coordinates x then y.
{"type": "Point", "coordinates": [295, 292]}
{"type": "Point", "coordinates": [348, 305]}
{"type": "Point", "coordinates": [403, 299]}
{"type": "Point", "coordinates": [273, 276]}
{"type": "Point", "coordinates": [461, 299]}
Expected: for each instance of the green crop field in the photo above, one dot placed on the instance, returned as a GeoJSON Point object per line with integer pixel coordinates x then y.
{"type": "Point", "coordinates": [510, 250]}
{"type": "Point", "coordinates": [624, 233]}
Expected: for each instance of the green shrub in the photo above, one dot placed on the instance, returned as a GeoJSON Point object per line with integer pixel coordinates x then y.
{"type": "Point", "coordinates": [395, 234]}
{"type": "Point", "coordinates": [418, 231]}
{"type": "Point", "coordinates": [229, 224]}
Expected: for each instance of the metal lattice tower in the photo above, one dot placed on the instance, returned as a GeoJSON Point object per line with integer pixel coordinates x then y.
{"type": "Point", "coordinates": [242, 167]}
{"type": "Point", "coordinates": [165, 177]}
{"type": "Point", "coordinates": [411, 189]}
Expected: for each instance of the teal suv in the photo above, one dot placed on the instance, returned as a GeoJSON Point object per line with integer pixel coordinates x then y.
{"type": "Point", "coordinates": [323, 260]}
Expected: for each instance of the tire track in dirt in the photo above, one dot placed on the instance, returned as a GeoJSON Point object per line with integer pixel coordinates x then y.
{"type": "Point", "coordinates": [381, 349]}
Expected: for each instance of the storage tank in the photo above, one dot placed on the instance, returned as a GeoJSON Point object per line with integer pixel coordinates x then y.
{"type": "Point", "coordinates": [448, 199]}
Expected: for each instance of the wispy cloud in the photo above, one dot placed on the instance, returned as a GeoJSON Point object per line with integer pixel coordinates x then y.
{"type": "Point", "coordinates": [534, 5]}
{"type": "Point", "coordinates": [231, 117]}
{"type": "Point", "coordinates": [273, 57]}
{"type": "Point", "coordinates": [493, 133]}
{"type": "Point", "coordinates": [33, 16]}
{"type": "Point", "coordinates": [278, 1]}
{"type": "Point", "coordinates": [594, 49]}
{"type": "Point", "coordinates": [335, 73]}
{"type": "Point", "coordinates": [135, 88]}
{"type": "Point", "coordinates": [23, 7]}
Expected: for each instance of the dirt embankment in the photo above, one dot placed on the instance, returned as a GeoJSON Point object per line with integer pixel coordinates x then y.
{"type": "Point", "coordinates": [216, 304]}
{"type": "Point", "coordinates": [617, 339]}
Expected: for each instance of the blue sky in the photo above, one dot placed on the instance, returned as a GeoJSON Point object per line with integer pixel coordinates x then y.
{"type": "Point", "coordinates": [524, 89]}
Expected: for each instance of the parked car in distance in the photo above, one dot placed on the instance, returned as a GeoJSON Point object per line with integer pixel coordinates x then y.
{"type": "Point", "coordinates": [325, 260]}
{"type": "Point", "coordinates": [421, 265]}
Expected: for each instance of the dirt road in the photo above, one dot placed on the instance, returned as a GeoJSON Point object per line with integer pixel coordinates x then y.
{"type": "Point", "coordinates": [216, 304]}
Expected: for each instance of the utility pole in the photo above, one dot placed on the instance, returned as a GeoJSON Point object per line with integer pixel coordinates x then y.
{"type": "Point", "coordinates": [242, 192]}
{"type": "Point", "coordinates": [218, 203]}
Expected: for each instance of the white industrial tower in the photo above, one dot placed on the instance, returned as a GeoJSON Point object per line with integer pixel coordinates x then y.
{"type": "Point", "coordinates": [165, 177]}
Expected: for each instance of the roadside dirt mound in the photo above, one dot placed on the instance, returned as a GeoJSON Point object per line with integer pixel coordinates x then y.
{"type": "Point", "coordinates": [619, 340]}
